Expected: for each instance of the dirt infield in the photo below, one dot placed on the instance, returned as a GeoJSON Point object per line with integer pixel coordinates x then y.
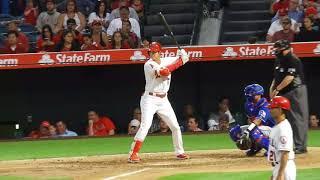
{"type": "Point", "coordinates": [154, 165]}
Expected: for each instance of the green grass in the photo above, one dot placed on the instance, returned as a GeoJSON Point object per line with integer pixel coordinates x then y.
{"type": "Point", "coordinates": [305, 174]}
{"type": "Point", "coordinates": [99, 146]}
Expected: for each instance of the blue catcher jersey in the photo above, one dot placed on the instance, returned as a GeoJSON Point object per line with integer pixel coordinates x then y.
{"type": "Point", "coordinates": [260, 111]}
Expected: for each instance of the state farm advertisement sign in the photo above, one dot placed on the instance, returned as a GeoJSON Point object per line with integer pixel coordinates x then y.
{"type": "Point", "coordinates": [138, 56]}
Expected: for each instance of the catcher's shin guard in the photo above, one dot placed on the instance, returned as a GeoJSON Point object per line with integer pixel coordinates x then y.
{"type": "Point", "coordinates": [257, 136]}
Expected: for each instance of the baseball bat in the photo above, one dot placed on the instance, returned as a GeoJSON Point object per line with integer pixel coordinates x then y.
{"type": "Point", "coordinates": [166, 25]}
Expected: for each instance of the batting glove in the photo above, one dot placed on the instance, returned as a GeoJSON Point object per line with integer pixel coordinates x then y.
{"type": "Point", "coordinates": [184, 56]}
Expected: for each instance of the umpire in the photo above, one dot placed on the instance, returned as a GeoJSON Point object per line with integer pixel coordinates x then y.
{"type": "Point", "coordinates": [289, 82]}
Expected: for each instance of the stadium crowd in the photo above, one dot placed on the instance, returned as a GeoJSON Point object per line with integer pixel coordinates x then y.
{"type": "Point", "coordinates": [294, 20]}
{"type": "Point", "coordinates": [218, 120]}
{"type": "Point", "coordinates": [111, 25]}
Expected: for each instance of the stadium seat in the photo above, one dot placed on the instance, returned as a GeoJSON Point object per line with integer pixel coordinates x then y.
{"type": "Point", "coordinates": [27, 28]}
{"type": "Point", "coordinates": [188, 18]}
{"type": "Point", "coordinates": [181, 15]}
{"type": "Point", "coordinates": [178, 29]}
{"type": "Point", "coordinates": [244, 19]}
{"type": "Point", "coordinates": [6, 17]}
{"type": "Point", "coordinates": [173, 8]}
{"type": "Point", "coordinates": [182, 39]}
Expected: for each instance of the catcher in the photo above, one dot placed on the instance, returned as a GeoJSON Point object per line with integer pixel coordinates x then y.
{"type": "Point", "coordinates": [255, 136]}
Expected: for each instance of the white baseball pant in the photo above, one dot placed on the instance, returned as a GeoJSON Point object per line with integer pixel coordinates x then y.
{"type": "Point", "coordinates": [151, 105]}
{"type": "Point", "coordinates": [289, 173]}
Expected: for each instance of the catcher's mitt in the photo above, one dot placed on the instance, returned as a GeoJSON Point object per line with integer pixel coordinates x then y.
{"type": "Point", "coordinates": [244, 144]}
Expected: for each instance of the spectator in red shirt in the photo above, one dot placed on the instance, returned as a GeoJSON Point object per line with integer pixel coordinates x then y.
{"type": "Point", "coordinates": [71, 26]}
{"type": "Point", "coordinates": [22, 38]}
{"type": "Point", "coordinates": [100, 126]}
{"type": "Point", "coordinates": [130, 37]}
{"type": "Point", "coordinates": [99, 37]}
{"type": "Point", "coordinates": [31, 13]}
{"type": "Point", "coordinates": [43, 131]}
{"type": "Point", "coordinates": [88, 45]}
{"type": "Point", "coordinates": [281, 4]}
{"type": "Point", "coordinates": [68, 43]}
{"type": "Point", "coordinates": [287, 33]}
{"type": "Point", "coordinates": [45, 42]}
{"type": "Point", "coordinates": [118, 42]}
{"type": "Point", "coordinates": [13, 46]}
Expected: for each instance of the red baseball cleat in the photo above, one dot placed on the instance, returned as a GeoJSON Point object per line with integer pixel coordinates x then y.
{"type": "Point", "coordinates": [182, 157]}
{"type": "Point", "coordinates": [134, 158]}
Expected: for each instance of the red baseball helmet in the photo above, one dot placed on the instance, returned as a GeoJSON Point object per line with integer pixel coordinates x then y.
{"type": "Point", "coordinates": [155, 47]}
{"type": "Point", "coordinates": [280, 102]}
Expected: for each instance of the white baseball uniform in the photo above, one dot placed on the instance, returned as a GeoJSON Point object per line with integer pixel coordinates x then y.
{"type": "Point", "coordinates": [150, 102]}
{"type": "Point", "coordinates": [281, 139]}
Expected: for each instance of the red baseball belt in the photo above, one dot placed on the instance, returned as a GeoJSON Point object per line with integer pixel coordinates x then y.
{"type": "Point", "coordinates": [160, 95]}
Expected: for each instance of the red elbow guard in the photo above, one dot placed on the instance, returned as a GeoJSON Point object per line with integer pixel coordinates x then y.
{"type": "Point", "coordinates": [174, 66]}
{"type": "Point", "coordinates": [164, 72]}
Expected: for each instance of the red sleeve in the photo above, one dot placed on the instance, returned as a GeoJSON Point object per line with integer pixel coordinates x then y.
{"type": "Point", "coordinates": [108, 123]}
{"type": "Point", "coordinates": [174, 66]}
{"type": "Point", "coordinates": [57, 37]}
{"type": "Point", "coordinates": [39, 44]}
{"type": "Point", "coordinates": [275, 7]}
{"type": "Point", "coordinates": [24, 40]}
{"type": "Point", "coordinates": [125, 45]}
{"type": "Point", "coordinates": [21, 48]}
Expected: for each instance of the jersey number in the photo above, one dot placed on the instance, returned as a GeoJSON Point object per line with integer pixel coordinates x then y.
{"type": "Point", "coordinates": [272, 156]}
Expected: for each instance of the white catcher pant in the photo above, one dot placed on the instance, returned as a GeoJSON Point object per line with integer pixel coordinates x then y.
{"type": "Point", "coordinates": [289, 173]}
{"type": "Point", "coordinates": [264, 129]}
{"type": "Point", "coordinates": [149, 106]}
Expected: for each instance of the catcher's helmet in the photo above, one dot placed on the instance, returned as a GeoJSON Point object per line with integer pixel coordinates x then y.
{"type": "Point", "coordinates": [154, 47]}
{"type": "Point", "coordinates": [251, 90]}
{"type": "Point", "coordinates": [281, 45]}
{"type": "Point", "coordinates": [280, 102]}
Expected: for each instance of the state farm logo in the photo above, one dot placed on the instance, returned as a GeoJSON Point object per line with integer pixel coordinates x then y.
{"type": "Point", "coordinates": [192, 54]}
{"type": "Point", "coordinates": [138, 56]}
{"type": "Point", "coordinates": [229, 52]}
{"type": "Point", "coordinates": [248, 51]}
{"type": "Point", "coordinates": [82, 58]}
{"type": "Point", "coordinates": [8, 62]}
{"type": "Point", "coordinates": [317, 49]}
{"type": "Point", "coordinates": [46, 60]}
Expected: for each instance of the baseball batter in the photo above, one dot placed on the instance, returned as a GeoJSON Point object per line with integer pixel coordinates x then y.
{"type": "Point", "coordinates": [281, 153]}
{"type": "Point", "coordinates": [154, 100]}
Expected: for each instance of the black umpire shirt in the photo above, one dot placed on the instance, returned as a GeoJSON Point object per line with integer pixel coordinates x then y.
{"type": "Point", "coordinates": [288, 65]}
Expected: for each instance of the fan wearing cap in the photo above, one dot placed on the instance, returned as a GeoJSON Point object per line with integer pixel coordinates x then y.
{"type": "Point", "coordinates": [43, 131]}
{"type": "Point", "coordinates": [277, 5]}
{"type": "Point", "coordinates": [99, 37]}
{"type": "Point", "coordinates": [289, 82]}
{"type": "Point", "coordinates": [277, 25]}
{"type": "Point", "coordinates": [154, 100]}
{"type": "Point", "coordinates": [135, 123]}
{"type": "Point", "coordinates": [281, 154]}
{"type": "Point", "coordinates": [294, 12]}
